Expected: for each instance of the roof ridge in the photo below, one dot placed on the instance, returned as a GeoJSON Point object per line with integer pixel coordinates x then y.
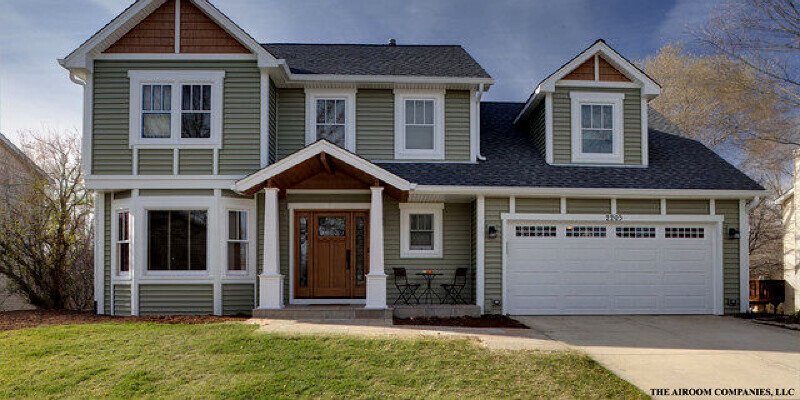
{"type": "Point", "coordinates": [361, 44]}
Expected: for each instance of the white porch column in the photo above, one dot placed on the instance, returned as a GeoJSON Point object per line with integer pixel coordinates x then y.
{"type": "Point", "coordinates": [271, 280]}
{"type": "Point", "coordinates": [376, 278]}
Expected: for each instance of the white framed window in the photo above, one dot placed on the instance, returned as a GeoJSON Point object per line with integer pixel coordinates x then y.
{"type": "Point", "coordinates": [597, 127]}
{"type": "Point", "coordinates": [238, 244]}
{"type": "Point", "coordinates": [421, 230]}
{"type": "Point", "coordinates": [419, 124]}
{"type": "Point", "coordinates": [331, 115]}
{"type": "Point", "coordinates": [176, 108]}
{"type": "Point", "coordinates": [123, 242]}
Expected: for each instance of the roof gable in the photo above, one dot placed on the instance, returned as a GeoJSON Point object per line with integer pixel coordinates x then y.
{"type": "Point", "coordinates": [220, 33]}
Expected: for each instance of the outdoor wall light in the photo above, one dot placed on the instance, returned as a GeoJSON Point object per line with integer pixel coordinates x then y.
{"type": "Point", "coordinates": [733, 233]}
{"type": "Point", "coordinates": [491, 231]}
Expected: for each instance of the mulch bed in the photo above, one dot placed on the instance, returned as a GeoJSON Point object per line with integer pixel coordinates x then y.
{"type": "Point", "coordinates": [484, 321]}
{"type": "Point", "coordinates": [28, 319]}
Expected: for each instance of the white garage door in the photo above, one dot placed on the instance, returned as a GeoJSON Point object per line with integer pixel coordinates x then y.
{"type": "Point", "coordinates": [592, 268]}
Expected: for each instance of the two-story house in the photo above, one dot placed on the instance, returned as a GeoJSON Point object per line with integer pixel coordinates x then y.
{"type": "Point", "coordinates": [233, 175]}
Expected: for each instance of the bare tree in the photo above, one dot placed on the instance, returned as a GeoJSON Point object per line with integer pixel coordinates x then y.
{"type": "Point", "coordinates": [764, 35]}
{"type": "Point", "coordinates": [46, 233]}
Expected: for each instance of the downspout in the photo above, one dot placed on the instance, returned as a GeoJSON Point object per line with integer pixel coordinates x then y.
{"type": "Point", "coordinates": [478, 121]}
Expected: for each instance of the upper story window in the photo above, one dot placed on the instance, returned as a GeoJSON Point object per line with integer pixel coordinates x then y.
{"type": "Point", "coordinates": [597, 131]}
{"type": "Point", "coordinates": [419, 125]}
{"type": "Point", "coordinates": [331, 116]}
{"type": "Point", "coordinates": [176, 108]}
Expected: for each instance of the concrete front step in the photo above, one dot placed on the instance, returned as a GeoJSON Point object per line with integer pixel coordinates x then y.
{"type": "Point", "coordinates": [436, 310]}
{"type": "Point", "coordinates": [324, 312]}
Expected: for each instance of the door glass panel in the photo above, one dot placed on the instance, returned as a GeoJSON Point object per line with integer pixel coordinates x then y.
{"type": "Point", "coordinates": [360, 250]}
{"type": "Point", "coordinates": [332, 226]}
{"type": "Point", "coordinates": [303, 278]}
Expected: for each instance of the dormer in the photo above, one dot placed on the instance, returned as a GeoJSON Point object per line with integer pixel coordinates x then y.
{"type": "Point", "coordinates": [592, 111]}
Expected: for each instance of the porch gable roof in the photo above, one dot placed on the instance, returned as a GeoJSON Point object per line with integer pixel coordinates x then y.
{"type": "Point", "coordinates": [322, 148]}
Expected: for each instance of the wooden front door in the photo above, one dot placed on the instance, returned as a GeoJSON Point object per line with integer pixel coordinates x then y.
{"type": "Point", "coordinates": [331, 254]}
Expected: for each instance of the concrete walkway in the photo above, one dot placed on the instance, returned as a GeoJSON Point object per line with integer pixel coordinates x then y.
{"type": "Point", "coordinates": [495, 339]}
{"type": "Point", "coordinates": [674, 352]}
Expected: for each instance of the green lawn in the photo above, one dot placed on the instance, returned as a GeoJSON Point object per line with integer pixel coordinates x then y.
{"type": "Point", "coordinates": [231, 360]}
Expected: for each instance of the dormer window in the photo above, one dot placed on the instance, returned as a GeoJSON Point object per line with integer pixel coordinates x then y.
{"type": "Point", "coordinates": [176, 108]}
{"type": "Point", "coordinates": [597, 134]}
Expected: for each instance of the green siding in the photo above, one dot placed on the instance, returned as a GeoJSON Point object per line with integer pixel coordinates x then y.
{"type": "Point", "coordinates": [493, 248]}
{"type": "Point", "coordinates": [176, 192]}
{"type": "Point", "coordinates": [562, 143]}
{"type": "Point", "coordinates": [291, 128]}
{"type": "Point", "coordinates": [588, 206]}
{"type": "Point", "coordinates": [456, 125]}
{"type": "Point", "coordinates": [111, 154]}
{"type": "Point", "coordinates": [122, 300]}
{"type": "Point", "coordinates": [155, 161]}
{"type": "Point", "coordinates": [456, 248]}
{"type": "Point", "coordinates": [238, 299]}
{"type": "Point", "coordinates": [273, 122]}
{"type": "Point", "coordinates": [107, 254]}
{"type": "Point", "coordinates": [729, 209]}
{"type": "Point", "coordinates": [375, 124]}
{"type": "Point", "coordinates": [176, 299]}
{"type": "Point", "coordinates": [537, 128]}
{"type": "Point", "coordinates": [639, 206]}
{"type": "Point", "coordinates": [195, 162]}
{"type": "Point", "coordinates": [691, 207]}
{"type": "Point", "coordinates": [538, 206]}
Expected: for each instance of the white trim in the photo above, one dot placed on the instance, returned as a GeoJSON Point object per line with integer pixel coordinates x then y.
{"type": "Point", "coordinates": [584, 192]}
{"type": "Point", "coordinates": [628, 218]}
{"type": "Point", "coordinates": [82, 57]}
{"type": "Point", "coordinates": [125, 182]}
{"type": "Point", "coordinates": [176, 79]}
{"type": "Point", "coordinates": [177, 26]}
{"type": "Point", "coordinates": [480, 252]}
{"type": "Point", "coordinates": [596, 67]}
{"type": "Point", "coordinates": [548, 127]}
{"type": "Point", "coordinates": [562, 205]}
{"type": "Point", "coordinates": [512, 204]}
{"type": "Point", "coordinates": [663, 206]}
{"type": "Point", "coordinates": [435, 209]}
{"type": "Point", "coordinates": [712, 207]}
{"type": "Point", "coordinates": [599, 84]}
{"type": "Point", "coordinates": [265, 144]}
{"type": "Point", "coordinates": [120, 206]}
{"type": "Point", "coordinates": [645, 135]}
{"type": "Point", "coordinates": [744, 257]}
{"type": "Point", "coordinates": [322, 146]}
{"type": "Point", "coordinates": [613, 205]}
{"type": "Point", "coordinates": [650, 88]}
{"type": "Point", "coordinates": [714, 235]}
{"type": "Point", "coordinates": [174, 161]}
{"type": "Point", "coordinates": [400, 98]}
{"type": "Point", "coordinates": [577, 99]}
{"type": "Point", "coordinates": [349, 97]}
{"type": "Point", "coordinates": [175, 57]}
{"type": "Point", "coordinates": [135, 166]}
{"type": "Point", "coordinates": [376, 278]}
{"type": "Point", "coordinates": [99, 259]}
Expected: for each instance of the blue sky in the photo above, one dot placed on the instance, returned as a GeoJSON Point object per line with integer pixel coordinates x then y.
{"type": "Point", "coordinates": [517, 42]}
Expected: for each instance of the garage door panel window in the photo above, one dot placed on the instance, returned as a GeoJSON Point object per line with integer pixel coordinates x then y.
{"type": "Point", "coordinates": [586, 231]}
{"type": "Point", "coordinates": [636, 232]}
{"type": "Point", "coordinates": [535, 231]}
{"type": "Point", "coordinates": [684, 233]}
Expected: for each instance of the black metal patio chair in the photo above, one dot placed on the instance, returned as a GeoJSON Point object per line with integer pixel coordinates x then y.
{"type": "Point", "coordinates": [453, 290]}
{"type": "Point", "coordinates": [407, 291]}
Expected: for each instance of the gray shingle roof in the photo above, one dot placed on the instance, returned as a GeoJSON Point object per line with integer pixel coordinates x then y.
{"type": "Point", "coordinates": [513, 160]}
{"type": "Point", "coordinates": [378, 59]}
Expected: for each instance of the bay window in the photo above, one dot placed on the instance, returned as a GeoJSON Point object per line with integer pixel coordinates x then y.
{"type": "Point", "coordinates": [177, 240]}
{"type": "Point", "coordinates": [237, 241]}
{"type": "Point", "coordinates": [123, 240]}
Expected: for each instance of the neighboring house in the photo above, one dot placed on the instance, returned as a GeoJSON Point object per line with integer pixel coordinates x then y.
{"type": "Point", "coordinates": [17, 172]}
{"type": "Point", "coordinates": [232, 174]}
{"type": "Point", "coordinates": [791, 242]}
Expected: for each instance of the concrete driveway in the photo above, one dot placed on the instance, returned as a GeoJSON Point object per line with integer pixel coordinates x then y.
{"type": "Point", "coordinates": [677, 352]}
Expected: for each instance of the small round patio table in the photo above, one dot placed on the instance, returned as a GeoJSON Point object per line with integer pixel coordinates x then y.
{"type": "Point", "coordinates": [428, 294]}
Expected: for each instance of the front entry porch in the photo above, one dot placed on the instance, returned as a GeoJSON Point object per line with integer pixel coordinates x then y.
{"type": "Point", "coordinates": [326, 250]}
